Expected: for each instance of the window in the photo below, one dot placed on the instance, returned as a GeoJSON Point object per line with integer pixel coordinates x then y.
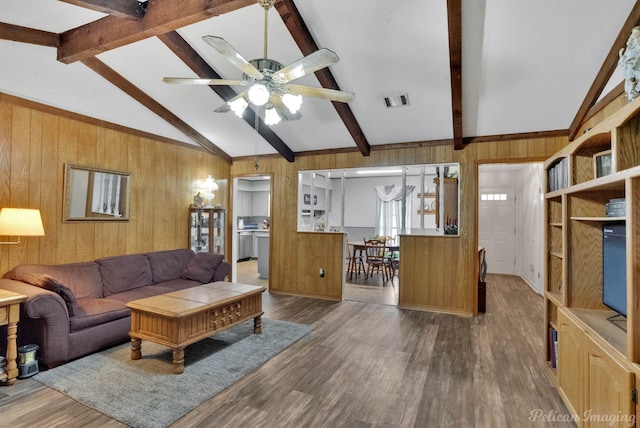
{"type": "Point", "coordinates": [347, 200]}
{"type": "Point", "coordinates": [493, 197]}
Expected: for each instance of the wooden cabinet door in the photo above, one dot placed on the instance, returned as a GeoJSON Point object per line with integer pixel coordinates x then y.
{"type": "Point", "coordinates": [608, 401]}
{"type": "Point", "coordinates": [571, 364]}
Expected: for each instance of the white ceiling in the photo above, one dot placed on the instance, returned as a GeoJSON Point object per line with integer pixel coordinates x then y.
{"type": "Point", "coordinates": [526, 67]}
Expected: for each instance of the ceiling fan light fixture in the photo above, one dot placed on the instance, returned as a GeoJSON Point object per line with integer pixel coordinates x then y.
{"type": "Point", "coordinates": [292, 102]}
{"type": "Point", "coordinates": [238, 106]}
{"type": "Point", "coordinates": [258, 94]}
{"type": "Point", "coordinates": [271, 116]}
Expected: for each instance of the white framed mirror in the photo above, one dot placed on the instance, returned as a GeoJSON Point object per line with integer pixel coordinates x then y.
{"type": "Point", "coordinates": [95, 194]}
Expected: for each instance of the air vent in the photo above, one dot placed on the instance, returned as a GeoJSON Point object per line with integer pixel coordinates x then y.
{"type": "Point", "coordinates": [396, 100]}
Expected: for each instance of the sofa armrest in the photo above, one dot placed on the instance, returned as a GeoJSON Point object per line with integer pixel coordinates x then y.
{"type": "Point", "coordinates": [222, 271]}
{"type": "Point", "coordinates": [44, 320]}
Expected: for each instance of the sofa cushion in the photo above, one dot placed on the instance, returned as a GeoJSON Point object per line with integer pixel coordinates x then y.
{"type": "Point", "coordinates": [82, 278]}
{"type": "Point", "coordinates": [168, 265]}
{"type": "Point", "coordinates": [122, 273]}
{"type": "Point", "coordinates": [202, 267]}
{"type": "Point", "coordinates": [140, 293]}
{"type": "Point", "coordinates": [91, 312]}
{"type": "Point", "coordinates": [50, 283]}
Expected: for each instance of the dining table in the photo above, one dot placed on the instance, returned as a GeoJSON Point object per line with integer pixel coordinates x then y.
{"type": "Point", "coordinates": [358, 251]}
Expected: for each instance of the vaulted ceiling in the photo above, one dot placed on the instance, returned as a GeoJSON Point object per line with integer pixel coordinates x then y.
{"type": "Point", "coordinates": [472, 70]}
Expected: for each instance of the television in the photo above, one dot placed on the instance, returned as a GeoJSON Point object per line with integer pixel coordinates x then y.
{"type": "Point", "coordinates": [614, 267]}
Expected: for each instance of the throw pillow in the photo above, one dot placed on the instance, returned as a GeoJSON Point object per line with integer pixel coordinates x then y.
{"type": "Point", "coordinates": [202, 267]}
{"type": "Point", "coordinates": [50, 283]}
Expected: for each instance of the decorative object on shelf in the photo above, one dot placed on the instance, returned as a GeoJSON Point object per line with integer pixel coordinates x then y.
{"type": "Point", "coordinates": [630, 62]}
{"type": "Point", "coordinates": [268, 81]}
{"type": "Point", "coordinates": [602, 163]}
{"type": "Point", "coordinates": [210, 186]}
{"type": "Point", "coordinates": [451, 227]}
{"type": "Point", "coordinates": [198, 201]}
{"type": "Point", "coordinates": [20, 222]}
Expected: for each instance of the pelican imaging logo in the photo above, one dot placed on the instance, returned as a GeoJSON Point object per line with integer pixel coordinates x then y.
{"type": "Point", "coordinates": [539, 415]}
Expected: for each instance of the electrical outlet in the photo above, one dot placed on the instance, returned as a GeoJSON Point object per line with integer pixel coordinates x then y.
{"type": "Point", "coordinates": [321, 273]}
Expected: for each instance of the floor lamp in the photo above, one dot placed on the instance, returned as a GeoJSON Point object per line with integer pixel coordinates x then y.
{"type": "Point", "coordinates": [20, 222]}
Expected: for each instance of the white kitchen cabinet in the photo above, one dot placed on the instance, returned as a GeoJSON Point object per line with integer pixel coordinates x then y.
{"type": "Point", "coordinates": [260, 204]}
{"type": "Point", "coordinates": [245, 203]}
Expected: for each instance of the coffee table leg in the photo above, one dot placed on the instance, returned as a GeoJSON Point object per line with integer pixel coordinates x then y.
{"type": "Point", "coordinates": [136, 351]}
{"type": "Point", "coordinates": [178, 361]}
{"type": "Point", "coordinates": [257, 325]}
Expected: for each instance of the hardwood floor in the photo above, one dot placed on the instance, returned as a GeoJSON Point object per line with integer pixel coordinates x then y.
{"type": "Point", "coordinates": [357, 288]}
{"type": "Point", "coordinates": [367, 366]}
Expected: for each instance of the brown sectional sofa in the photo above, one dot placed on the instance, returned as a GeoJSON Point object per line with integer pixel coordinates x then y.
{"type": "Point", "coordinates": [76, 309]}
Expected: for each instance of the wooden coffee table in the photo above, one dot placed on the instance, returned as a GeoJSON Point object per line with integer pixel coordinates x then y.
{"type": "Point", "coordinates": [183, 317]}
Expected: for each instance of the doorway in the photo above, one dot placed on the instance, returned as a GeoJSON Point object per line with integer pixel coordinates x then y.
{"type": "Point", "coordinates": [497, 227]}
{"type": "Point", "coordinates": [510, 219]}
{"type": "Point", "coordinates": [251, 228]}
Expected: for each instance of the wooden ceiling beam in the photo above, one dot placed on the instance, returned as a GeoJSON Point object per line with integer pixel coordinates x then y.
{"type": "Point", "coordinates": [20, 34]}
{"type": "Point", "coordinates": [454, 16]}
{"type": "Point", "coordinates": [607, 69]}
{"type": "Point", "coordinates": [130, 9]}
{"type": "Point", "coordinates": [161, 17]}
{"type": "Point", "coordinates": [194, 61]}
{"type": "Point", "coordinates": [302, 36]}
{"type": "Point", "coordinates": [134, 92]}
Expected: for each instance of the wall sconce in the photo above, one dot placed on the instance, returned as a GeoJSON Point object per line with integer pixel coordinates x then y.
{"type": "Point", "coordinates": [20, 222]}
{"type": "Point", "coordinates": [209, 187]}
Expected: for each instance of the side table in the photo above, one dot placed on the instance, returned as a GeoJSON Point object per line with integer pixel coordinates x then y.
{"type": "Point", "coordinates": [9, 316]}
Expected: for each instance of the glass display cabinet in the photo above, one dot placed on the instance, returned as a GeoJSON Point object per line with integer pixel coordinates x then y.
{"type": "Point", "coordinates": [206, 230]}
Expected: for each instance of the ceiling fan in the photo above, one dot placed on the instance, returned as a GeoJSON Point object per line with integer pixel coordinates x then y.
{"type": "Point", "coordinates": [268, 82]}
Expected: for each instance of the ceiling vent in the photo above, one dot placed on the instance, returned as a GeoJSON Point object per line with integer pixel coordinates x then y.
{"type": "Point", "coordinates": [396, 100]}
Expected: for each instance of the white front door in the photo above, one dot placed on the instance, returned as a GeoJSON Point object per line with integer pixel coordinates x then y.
{"type": "Point", "coordinates": [497, 228]}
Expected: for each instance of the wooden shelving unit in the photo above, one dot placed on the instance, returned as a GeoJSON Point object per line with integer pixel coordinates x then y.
{"type": "Point", "coordinates": [597, 361]}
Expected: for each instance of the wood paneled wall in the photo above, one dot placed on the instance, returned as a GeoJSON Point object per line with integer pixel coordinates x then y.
{"type": "Point", "coordinates": [35, 144]}
{"type": "Point", "coordinates": [437, 273]}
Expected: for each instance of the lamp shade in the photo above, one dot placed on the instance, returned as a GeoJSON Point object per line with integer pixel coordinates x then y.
{"type": "Point", "coordinates": [20, 222]}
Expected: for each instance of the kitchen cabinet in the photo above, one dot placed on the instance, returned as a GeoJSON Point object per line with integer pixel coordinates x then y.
{"type": "Point", "coordinates": [263, 254]}
{"type": "Point", "coordinates": [260, 204]}
{"type": "Point", "coordinates": [207, 230]}
{"type": "Point", "coordinates": [245, 203]}
{"type": "Point", "coordinates": [245, 245]}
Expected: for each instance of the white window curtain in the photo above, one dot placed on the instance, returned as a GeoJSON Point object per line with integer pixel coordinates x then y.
{"type": "Point", "coordinates": [389, 209]}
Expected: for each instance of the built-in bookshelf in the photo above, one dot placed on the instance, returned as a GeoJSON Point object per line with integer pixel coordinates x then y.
{"type": "Point", "coordinates": [593, 360]}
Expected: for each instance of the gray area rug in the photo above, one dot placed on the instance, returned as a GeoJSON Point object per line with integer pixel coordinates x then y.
{"type": "Point", "coordinates": [144, 393]}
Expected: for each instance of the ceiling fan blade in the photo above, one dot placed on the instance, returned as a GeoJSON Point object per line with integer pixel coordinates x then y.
{"type": "Point", "coordinates": [282, 109]}
{"type": "Point", "coordinates": [222, 46]}
{"type": "Point", "coordinates": [199, 81]}
{"type": "Point", "coordinates": [309, 64]}
{"type": "Point", "coordinates": [324, 93]}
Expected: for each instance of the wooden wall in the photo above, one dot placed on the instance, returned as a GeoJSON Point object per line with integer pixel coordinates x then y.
{"type": "Point", "coordinates": [437, 273]}
{"type": "Point", "coordinates": [35, 144]}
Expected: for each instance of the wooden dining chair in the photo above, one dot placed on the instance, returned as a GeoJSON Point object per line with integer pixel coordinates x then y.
{"type": "Point", "coordinates": [355, 260]}
{"type": "Point", "coordinates": [375, 252]}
